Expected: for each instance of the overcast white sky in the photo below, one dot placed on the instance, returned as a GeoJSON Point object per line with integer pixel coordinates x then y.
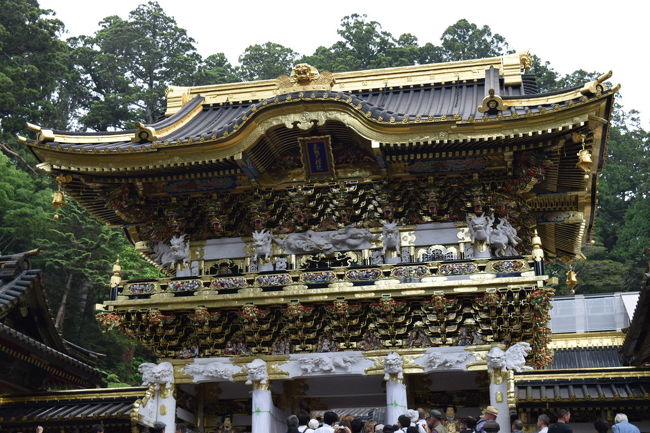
{"type": "Point", "coordinates": [592, 35]}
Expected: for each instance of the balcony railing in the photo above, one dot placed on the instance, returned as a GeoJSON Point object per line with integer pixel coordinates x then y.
{"type": "Point", "coordinates": [429, 273]}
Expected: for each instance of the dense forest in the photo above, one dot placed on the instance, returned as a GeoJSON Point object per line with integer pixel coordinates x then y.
{"type": "Point", "coordinates": [118, 75]}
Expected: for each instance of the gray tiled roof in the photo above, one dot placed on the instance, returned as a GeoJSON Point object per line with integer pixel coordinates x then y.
{"type": "Point", "coordinates": [459, 100]}
{"type": "Point", "coordinates": [571, 390]}
{"type": "Point", "coordinates": [594, 357]}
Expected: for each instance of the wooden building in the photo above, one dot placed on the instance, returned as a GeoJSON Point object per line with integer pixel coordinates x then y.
{"type": "Point", "coordinates": [341, 239]}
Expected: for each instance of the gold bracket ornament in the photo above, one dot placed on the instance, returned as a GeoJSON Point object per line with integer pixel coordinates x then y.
{"type": "Point", "coordinates": [58, 196]}
{"type": "Point", "coordinates": [492, 103]}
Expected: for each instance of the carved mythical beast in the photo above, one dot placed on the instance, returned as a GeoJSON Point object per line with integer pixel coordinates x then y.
{"type": "Point", "coordinates": [504, 239]}
{"type": "Point", "coordinates": [391, 237]}
{"type": "Point", "coordinates": [393, 366]}
{"type": "Point", "coordinates": [262, 242]}
{"type": "Point", "coordinates": [157, 374]}
{"type": "Point", "coordinates": [257, 372]}
{"type": "Point", "coordinates": [514, 358]}
{"type": "Point", "coordinates": [178, 251]}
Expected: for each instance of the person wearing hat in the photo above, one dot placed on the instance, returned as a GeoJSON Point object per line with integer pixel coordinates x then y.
{"type": "Point", "coordinates": [490, 414]}
{"type": "Point", "coordinates": [435, 422]}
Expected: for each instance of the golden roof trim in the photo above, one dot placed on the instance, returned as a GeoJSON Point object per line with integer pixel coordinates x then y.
{"type": "Point", "coordinates": [601, 373]}
{"type": "Point", "coordinates": [510, 68]}
{"type": "Point", "coordinates": [218, 149]}
{"type": "Point", "coordinates": [76, 394]}
{"type": "Point", "coordinates": [586, 340]}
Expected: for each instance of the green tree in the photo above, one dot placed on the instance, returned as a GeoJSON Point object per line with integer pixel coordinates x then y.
{"type": "Point", "coordinates": [128, 64]}
{"type": "Point", "coordinates": [216, 69]}
{"type": "Point", "coordinates": [266, 61]}
{"type": "Point", "coordinates": [464, 40]}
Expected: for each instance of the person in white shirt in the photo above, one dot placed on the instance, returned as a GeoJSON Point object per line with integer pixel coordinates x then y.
{"type": "Point", "coordinates": [303, 419]}
{"type": "Point", "coordinates": [543, 422]}
{"type": "Point", "coordinates": [329, 419]}
{"type": "Point", "coordinates": [421, 423]}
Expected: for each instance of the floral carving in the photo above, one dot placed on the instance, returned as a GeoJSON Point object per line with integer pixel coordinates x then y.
{"type": "Point", "coordinates": [297, 310]}
{"type": "Point", "coordinates": [273, 280]}
{"type": "Point", "coordinates": [404, 272]}
{"type": "Point", "coordinates": [184, 286]}
{"type": "Point", "coordinates": [109, 321]}
{"type": "Point", "coordinates": [457, 268]}
{"type": "Point", "coordinates": [318, 277]}
{"type": "Point", "coordinates": [140, 288]}
{"type": "Point", "coordinates": [363, 274]}
{"type": "Point", "coordinates": [252, 313]}
{"type": "Point", "coordinates": [225, 283]}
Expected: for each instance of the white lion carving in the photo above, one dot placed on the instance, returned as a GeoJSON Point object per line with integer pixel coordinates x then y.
{"type": "Point", "coordinates": [178, 251]}
{"type": "Point", "coordinates": [393, 366]}
{"type": "Point", "coordinates": [514, 358]}
{"type": "Point", "coordinates": [262, 241]}
{"type": "Point", "coordinates": [391, 237]}
{"type": "Point", "coordinates": [257, 372]}
{"type": "Point", "coordinates": [504, 239]}
{"type": "Point", "coordinates": [157, 374]}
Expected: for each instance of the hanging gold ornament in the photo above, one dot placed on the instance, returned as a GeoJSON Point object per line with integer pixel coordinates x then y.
{"type": "Point", "coordinates": [571, 279]}
{"type": "Point", "coordinates": [584, 158]}
{"type": "Point", "coordinates": [58, 196]}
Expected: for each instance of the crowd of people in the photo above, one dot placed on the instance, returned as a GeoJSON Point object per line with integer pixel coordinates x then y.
{"type": "Point", "coordinates": [419, 421]}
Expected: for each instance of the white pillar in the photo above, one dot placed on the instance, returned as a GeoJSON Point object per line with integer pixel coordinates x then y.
{"type": "Point", "coordinates": [262, 409]}
{"type": "Point", "coordinates": [499, 399]}
{"type": "Point", "coordinates": [167, 408]}
{"type": "Point", "coordinates": [396, 404]}
{"type": "Point", "coordinates": [161, 378]}
{"type": "Point", "coordinates": [266, 418]}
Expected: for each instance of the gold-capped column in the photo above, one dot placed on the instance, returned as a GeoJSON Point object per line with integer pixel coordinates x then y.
{"type": "Point", "coordinates": [265, 416]}
{"type": "Point", "coordinates": [396, 399]}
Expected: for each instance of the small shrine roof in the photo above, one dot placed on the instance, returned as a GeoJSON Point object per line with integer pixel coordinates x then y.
{"type": "Point", "coordinates": [21, 285]}
{"type": "Point", "coordinates": [83, 407]}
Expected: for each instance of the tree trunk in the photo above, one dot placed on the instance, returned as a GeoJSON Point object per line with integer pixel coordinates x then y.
{"type": "Point", "coordinates": [60, 314]}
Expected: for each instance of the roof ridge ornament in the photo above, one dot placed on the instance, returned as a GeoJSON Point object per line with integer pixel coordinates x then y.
{"type": "Point", "coordinates": [144, 133]}
{"type": "Point", "coordinates": [304, 77]}
{"type": "Point", "coordinates": [525, 60]}
{"type": "Point", "coordinates": [596, 87]}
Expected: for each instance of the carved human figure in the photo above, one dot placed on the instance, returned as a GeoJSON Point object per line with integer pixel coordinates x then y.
{"type": "Point", "coordinates": [262, 243]}
{"type": "Point", "coordinates": [391, 238]}
{"type": "Point", "coordinates": [393, 366]}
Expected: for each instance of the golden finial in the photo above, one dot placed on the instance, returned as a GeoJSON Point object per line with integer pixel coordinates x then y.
{"type": "Point", "coordinates": [538, 252]}
{"type": "Point", "coordinates": [116, 278]}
